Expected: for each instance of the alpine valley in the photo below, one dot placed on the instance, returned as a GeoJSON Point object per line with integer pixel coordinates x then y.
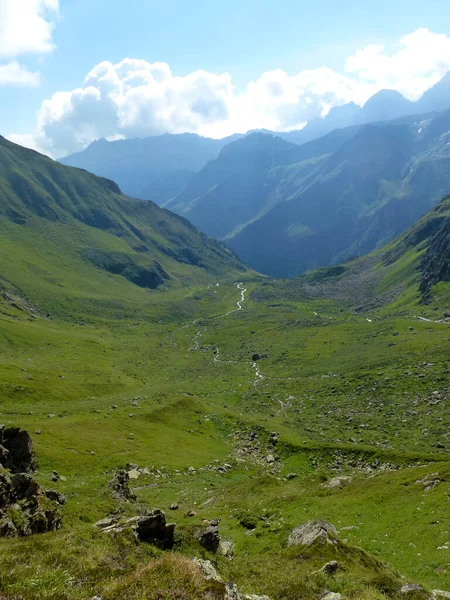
{"type": "Point", "coordinates": [257, 409]}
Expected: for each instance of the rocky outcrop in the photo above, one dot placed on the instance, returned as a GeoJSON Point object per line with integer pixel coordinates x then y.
{"type": "Point", "coordinates": [151, 528]}
{"type": "Point", "coordinates": [16, 450]}
{"type": "Point", "coordinates": [210, 538]}
{"type": "Point", "coordinates": [313, 532]}
{"type": "Point", "coordinates": [25, 508]}
{"type": "Point", "coordinates": [120, 486]}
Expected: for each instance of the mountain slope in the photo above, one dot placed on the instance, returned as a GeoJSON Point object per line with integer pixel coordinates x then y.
{"type": "Point", "coordinates": [135, 163]}
{"type": "Point", "coordinates": [66, 227]}
{"type": "Point", "coordinates": [364, 194]}
{"type": "Point", "coordinates": [250, 177]}
{"type": "Point", "coordinates": [234, 188]}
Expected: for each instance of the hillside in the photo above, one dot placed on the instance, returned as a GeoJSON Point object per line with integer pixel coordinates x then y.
{"type": "Point", "coordinates": [233, 189]}
{"type": "Point", "coordinates": [361, 196]}
{"type": "Point", "coordinates": [72, 231]}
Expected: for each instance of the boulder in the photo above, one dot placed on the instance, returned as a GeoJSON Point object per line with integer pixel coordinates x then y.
{"type": "Point", "coordinates": [413, 590]}
{"type": "Point", "coordinates": [120, 486]}
{"type": "Point", "coordinates": [210, 538]}
{"type": "Point", "coordinates": [330, 568]}
{"type": "Point", "coordinates": [16, 450]}
{"type": "Point", "coordinates": [311, 533]}
{"type": "Point", "coordinates": [153, 529]}
{"type": "Point", "coordinates": [226, 549]}
{"type": "Point", "coordinates": [336, 482]}
{"type": "Point", "coordinates": [207, 570]}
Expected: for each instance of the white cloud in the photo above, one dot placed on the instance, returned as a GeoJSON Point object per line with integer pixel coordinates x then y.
{"type": "Point", "coordinates": [25, 28]}
{"type": "Point", "coordinates": [14, 74]}
{"type": "Point", "coordinates": [421, 59]}
{"type": "Point", "coordinates": [135, 98]}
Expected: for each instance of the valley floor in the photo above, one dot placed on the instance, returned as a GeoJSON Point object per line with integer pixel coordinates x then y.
{"type": "Point", "coordinates": [262, 413]}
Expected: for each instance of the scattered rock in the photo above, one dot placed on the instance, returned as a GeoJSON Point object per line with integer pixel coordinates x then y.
{"type": "Point", "coordinates": [311, 533]}
{"type": "Point", "coordinates": [291, 476]}
{"type": "Point", "coordinates": [270, 459]}
{"type": "Point", "coordinates": [331, 596]}
{"type": "Point", "coordinates": [330, 568]}
{"type": "Point", "coordinates": [191, 513]}
{"type": "Point", "coordinates": [174, 506]}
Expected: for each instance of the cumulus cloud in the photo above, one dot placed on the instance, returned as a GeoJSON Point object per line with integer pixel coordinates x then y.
{"type": "Point", "coordinates": [25, 28]}
{"type": "Point", "coordinates": [14, 74]}
{"type": "Point", "coordinates": [420, 60]}
{"type": "Point", "coordinates": [136, 98]}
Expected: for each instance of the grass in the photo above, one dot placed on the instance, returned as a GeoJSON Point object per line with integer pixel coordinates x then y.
{"type": "Point", "coordinates": [323, 379]}
{"type": "Point", "coordinates": [105, 374]}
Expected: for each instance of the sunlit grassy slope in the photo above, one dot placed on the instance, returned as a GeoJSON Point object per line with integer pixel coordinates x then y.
{"type": "Point", "coordinates": [110, 373]}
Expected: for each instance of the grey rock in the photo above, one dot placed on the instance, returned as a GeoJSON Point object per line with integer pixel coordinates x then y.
{"type": "Point", "coordinates": [153, 529]}
{"type": "Point", "coordinates": [120, 486]}
{"type": "Point", "coordinates": [330, 568]}
{"type": "Point", "coordinates": [210, 538]}
{"type": "Point", "coordinates": [312, 532]}
{"type": "Point", "coordinates": [207, 570]}
{"type": "Point", "coordinates": [337, 482]}
{"type": "Point", "coordinates": [440, 594]}
{"type": "Point", "coordinates": [16, 450]}
{"type": "Point", "coordinates": [226, 549]}
{"type": "Point", "coordinates": [331, 596]}
{"type": "Point", "coordinates": [411, 589]}
{"type": "Point", "coordinates": [174, 506]}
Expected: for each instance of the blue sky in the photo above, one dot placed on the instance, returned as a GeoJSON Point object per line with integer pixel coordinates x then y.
{"type": "Point", "coordinates": [244, 39]}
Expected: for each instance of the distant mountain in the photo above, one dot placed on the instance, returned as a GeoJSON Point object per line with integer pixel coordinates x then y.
{"type": "Point", "coordinates": [233, 189]}
{"type": "Point", "coordinates": [436, 98]}
{"type": "Point", "coordinates": [359, 197]}
{"type": "Point", "coordinates": [385, 105]}
{"type": "Point", "coordinates": [67, 230]}
{"type": "Point", "coordinates": [134, 164]}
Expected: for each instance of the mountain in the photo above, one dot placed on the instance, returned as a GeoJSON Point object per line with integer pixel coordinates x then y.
{"type": "Point", "coordinates": [385, 105]}
{"type": "Point", "coordinates": [251, 176]}
{"type": "Point", "coordinates": [415, 261]}
{"type": "Point", "coordinates": [68, 228]}
{"type": "Point", "coordinates": [437, 98]}
{"type": "Point", "coordinates": [156, 168]}
{"type": "Point", "coordinates": [135, 163]}
{"type": "Point", "coordinates": [324, 201]}
{"type": "Point", "coordinates": [233, 189]}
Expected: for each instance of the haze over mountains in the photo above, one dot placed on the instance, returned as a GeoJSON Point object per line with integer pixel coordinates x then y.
{"type": "Point", "coordinates": [158, 168]}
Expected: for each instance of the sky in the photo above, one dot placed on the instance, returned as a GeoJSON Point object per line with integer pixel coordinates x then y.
{"type": "Point", "coordinates": [72, 71]}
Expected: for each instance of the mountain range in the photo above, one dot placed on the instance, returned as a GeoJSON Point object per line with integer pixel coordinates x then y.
{"type": "Point", "coordinates": [158, 168]}
{"type": "Point", "coordinates": [324, 201]}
